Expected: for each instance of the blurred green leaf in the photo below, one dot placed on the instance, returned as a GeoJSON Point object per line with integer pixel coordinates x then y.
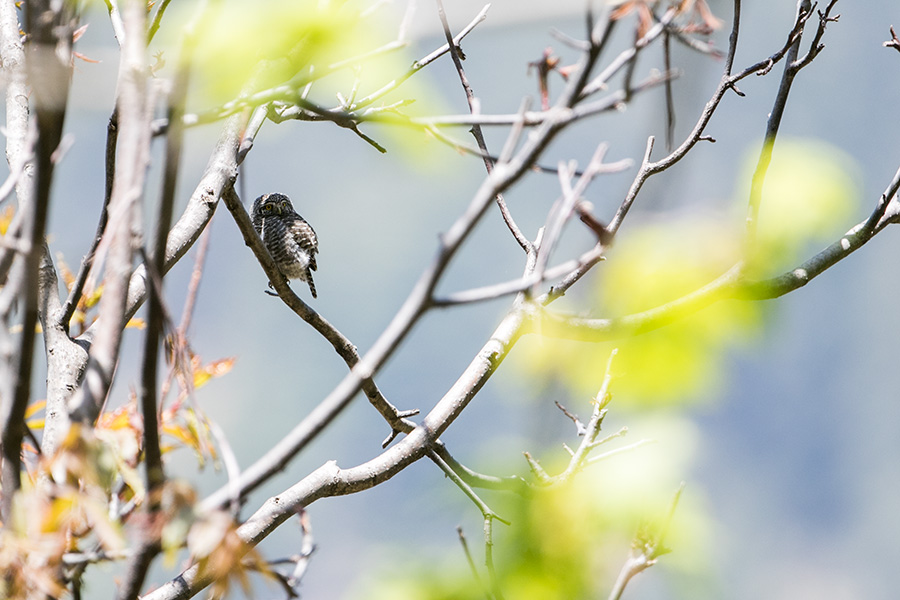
{"type": "Point", "coordinates": [810, 193]}
{"type": "Point", "coordinates": [282, 45]}
{"type": "Point", "coordinates": [289, 35]}
{"type": "Point", "coordinates": [569, 541]}
{"type": "Point", "coordinates": [681, 360]}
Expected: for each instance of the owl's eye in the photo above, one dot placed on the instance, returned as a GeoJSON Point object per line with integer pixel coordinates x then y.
{"type": "Point", "coordinates": [284, 205]}
{"type": "Point", "coordinates": [267, 208]}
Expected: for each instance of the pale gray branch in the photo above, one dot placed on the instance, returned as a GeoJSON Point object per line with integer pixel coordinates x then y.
{"type": "Point", "coordinates": [135, 109]}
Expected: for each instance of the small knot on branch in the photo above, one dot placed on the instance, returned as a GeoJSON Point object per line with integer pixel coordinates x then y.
{"type": "Point", "coordinates": [604, 236]}
{"type": "Point", "coordinates": [894, 42]}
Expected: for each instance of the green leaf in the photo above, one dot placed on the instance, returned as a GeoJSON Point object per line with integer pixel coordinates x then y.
{"type": "Point", "coordinates": [289, 36]}
{"type": "Point", "coordinates": [680, 361]}
{"type": "Point", "coordinates": [810, 193]}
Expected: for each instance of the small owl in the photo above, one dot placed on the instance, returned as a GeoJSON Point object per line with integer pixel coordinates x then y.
{"type": "Point", "coordinates": [288, 237]}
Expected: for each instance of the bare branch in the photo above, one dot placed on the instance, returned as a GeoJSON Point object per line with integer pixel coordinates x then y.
{"type": "Point", "coordinates": [47, 61]}
{"type": "Point", "coordinates": [135, 111]}
{"type": "Point", "coordinates": [791, 69]}
{"type": "Point", "coordinates": [288, 90]}
{"type": "Point", "coordinates": [309, 111]}
{"type": "Point", "coordinates": [728, 81]}
{"type": "Point", "coordinates": [646, 549]}
{"type": "Point", "coordinates": [471, 561]}
{"type": "Point", "coordinates": [478, 480]}
{"type": "Point", "coordinates": [479, 136]}
{"type": "Point", "coordinates": [112, 134]}
{"type": "Point", "coordinates": [115, 19]}
{"type": "Point", "coordinates": [342, 345]}
{"type": "Point", "coordinates": [734, 284]}
{"type": "Point", "coordinates": [157, 19]}
{"type": "Point", "coordinates": [894, 42]}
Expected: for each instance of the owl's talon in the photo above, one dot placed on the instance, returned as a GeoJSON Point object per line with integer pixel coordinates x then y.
{"type": "Point", "coordinates": [271, 293]}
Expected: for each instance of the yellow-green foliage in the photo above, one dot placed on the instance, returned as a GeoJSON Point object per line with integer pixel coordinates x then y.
{"type": "Point", "coordinates": [808, 198]}
{"type": "Point", "coordinates": [570, 541]}
{"type": "Point", "coordinates": [289, 35]}
{"type": "Point", "coordinates": [810, 194]}
{"type": "Point", "coordinates": [649, 267]}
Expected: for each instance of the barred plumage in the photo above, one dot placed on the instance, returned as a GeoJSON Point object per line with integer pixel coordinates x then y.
{"type": "Point", "coordinates": [289, 238]}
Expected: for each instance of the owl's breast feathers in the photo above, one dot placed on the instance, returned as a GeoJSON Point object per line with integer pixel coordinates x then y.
{"type": "Point", "coordinates": [306, 238]}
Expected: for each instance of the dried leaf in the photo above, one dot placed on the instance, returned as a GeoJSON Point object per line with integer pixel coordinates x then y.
{"type": "Point", "coordinates": [36, 423]}
{"type": "Point", "coordinates": [217, 368]}
{"type": "Point", "coordinates": [221, 554]}
{"type": "Point", "coordinates": [136, 323]}
{"type": "Point", "coordinates": [92, 297]}
{"type": "Point", "coordinates": [34, 408]}
{"type": "Point", "coordinates": [6, 218]}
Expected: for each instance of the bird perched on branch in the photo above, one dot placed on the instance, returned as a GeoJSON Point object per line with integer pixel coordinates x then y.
{"type": "Point", "coordinates": [289, 238]}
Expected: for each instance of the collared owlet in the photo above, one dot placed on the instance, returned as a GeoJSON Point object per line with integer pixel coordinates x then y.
{"type": "Point", "coordinates": [289, 238]}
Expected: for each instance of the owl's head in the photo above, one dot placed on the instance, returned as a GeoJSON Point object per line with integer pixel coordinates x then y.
{"type": "Point", "coordinates": [272, 204]}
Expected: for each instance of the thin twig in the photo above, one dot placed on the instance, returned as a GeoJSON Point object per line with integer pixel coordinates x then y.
{"type": "Point", "coordinates": [288, 90]}
{"type": "Point", "coordinates": [564, 207]}
{"type": "Point", "coordinates": [477, 133]}
{"type": "Point", "coordinates": [157, 20]}
{"type": "Point", "coordinates": [478, 480]}
{"type": "Point", "coordinates": [489, 517]}
{"type": "Point", "coordinates": [646, 550]}
{"type": "Point", "coordinates": [514, 286]}
{"type": "Point", "coordinates": [471, 561]}
{"type": "Point", "coordinates": [85, 269]}
{"type": "Point", "coordinates": [772, 126]}
{"type": "Point", "coordinates": [462, 147]}
{"type": "Point", "coordinates": [486, 510]}
{"type": "Point", "coordinates": [894, 42]}
{"type": "Point", "coordinates": [728, 81]}
{"type": "Point", "coordinates": [628, 56]}
{"type": "Point", "coordinates": [580, 456]}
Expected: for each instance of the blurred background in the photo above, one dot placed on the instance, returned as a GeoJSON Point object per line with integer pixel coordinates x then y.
{"type": "Point", "coordinates": [790, 458]}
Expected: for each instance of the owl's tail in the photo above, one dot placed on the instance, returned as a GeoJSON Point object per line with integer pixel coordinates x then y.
{"type": "Point", "coordinates": [312, 286]}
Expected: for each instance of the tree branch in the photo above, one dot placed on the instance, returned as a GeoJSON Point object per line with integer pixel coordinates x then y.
{"type": "Point", "coordinates": [75, 294]}
{"type": "Point", "coordinates": [288, 90]}
{"type": "Point", "coordinates": [728, 81]}
{"type": "Point", "coordinates": [646, 549]}
{"type": "Point", "coordinates": [342, 345]}
{"type": "Point", "coordinates": [134, 108]}
{"type": "Point", "coordinates": [477, 133]}
{"type": "Point", "coordinates": [734, 284]}
{"type": "Point", "coordinates": [48, 64]}
{"type": "Point", "coordinates": [804, 7]}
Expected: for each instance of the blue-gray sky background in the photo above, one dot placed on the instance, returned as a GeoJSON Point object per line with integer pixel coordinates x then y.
{"type": "Point", "coordinates": [797, 457]}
